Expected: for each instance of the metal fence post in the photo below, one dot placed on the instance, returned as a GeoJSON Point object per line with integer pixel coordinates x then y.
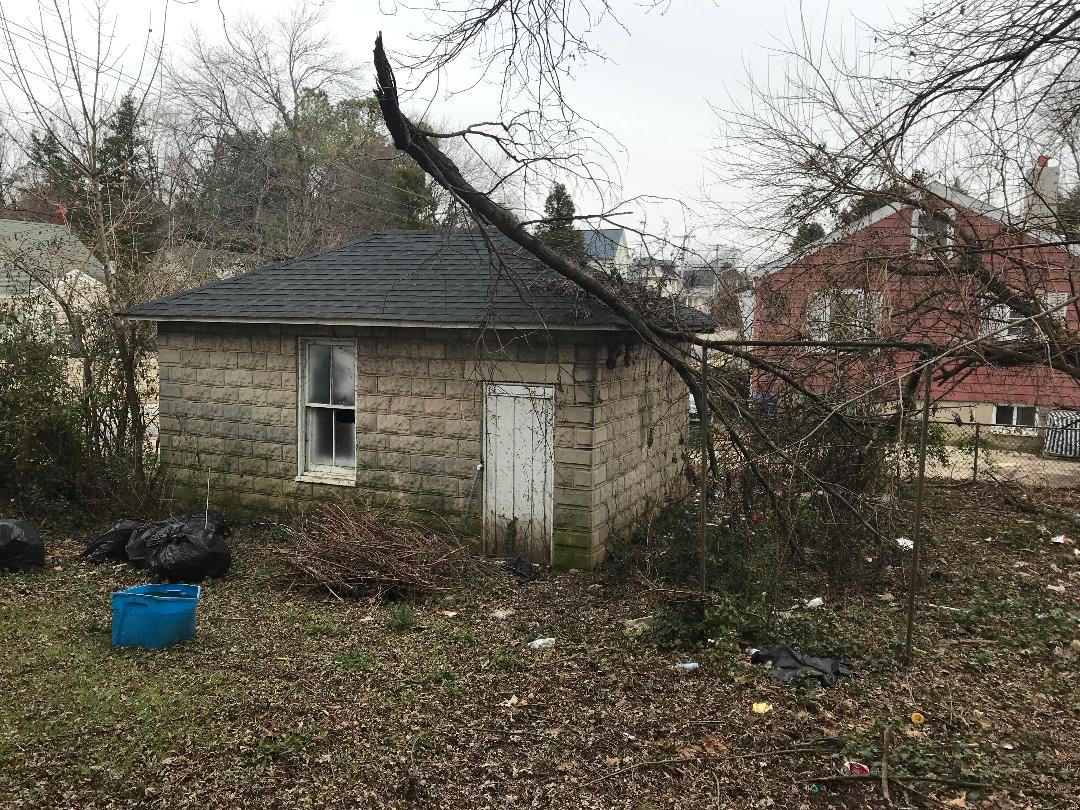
{"type": "Point", "coordinates": [975, 464]}
{"type": "Point", "coordinates": [704, 421]}
{"type": "Point", "coordinates": [916, 532]}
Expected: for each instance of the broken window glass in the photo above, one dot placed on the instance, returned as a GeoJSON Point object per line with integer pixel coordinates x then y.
{"type": "Point", "coordinates": [330, 419]}
{"type": "Point", "coordinates": [343, 376]}
{"type": "Point", "coordinates": [318, 372]}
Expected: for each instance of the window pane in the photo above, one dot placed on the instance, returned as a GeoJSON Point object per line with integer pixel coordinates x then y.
{"type": "Point", "coordinates": [320, 436]}
{"type": "Point", "coordinates": [1025, 416]}
{"type": "Point", "coordinates": [844, 316]}
{"type": "Point", "coordinates": [1003, 415]}
{"type": "Point", "coordinates": [345, 438]}
{"type": "Point", "coordinates": [936, 230]}
{"type": "Point", "coordinates": [344, 376]}
{"type": "Point", "coordinates": [318, 373]}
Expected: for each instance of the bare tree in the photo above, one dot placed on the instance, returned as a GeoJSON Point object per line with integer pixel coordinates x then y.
{"type": "Point", "coordinates": [81, 115]}
{"type": "Point", "coordinates": [834, 139]}
{"type": "Point", "coordinates": [290, 157]}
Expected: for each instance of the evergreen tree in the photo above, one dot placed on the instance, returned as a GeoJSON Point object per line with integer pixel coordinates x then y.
{"type": "Point", "coordinates": [868, 203]}
{"type": "Point", "coordinates": [807, 233]}
{"type": "Point", "coordinates": [124, 177]}
{"type": "Point", "coordinates": [558, 231]}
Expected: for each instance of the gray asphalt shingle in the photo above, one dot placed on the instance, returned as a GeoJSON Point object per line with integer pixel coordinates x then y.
{"type": "Point", "coordinates": [435, 277]}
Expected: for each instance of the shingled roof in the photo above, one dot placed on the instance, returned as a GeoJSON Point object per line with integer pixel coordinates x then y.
{"type": "Point", "coordinates": [405, 278]}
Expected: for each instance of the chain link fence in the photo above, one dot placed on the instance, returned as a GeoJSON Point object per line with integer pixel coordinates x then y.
{"type": "Point", "coordinates": [1044, 455]}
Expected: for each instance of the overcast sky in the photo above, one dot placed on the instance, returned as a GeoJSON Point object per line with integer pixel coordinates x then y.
{"type": "Point", "coordinates": [653, 93]}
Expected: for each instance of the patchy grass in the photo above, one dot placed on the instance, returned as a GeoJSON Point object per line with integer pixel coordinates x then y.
{"type": "Point", "coordinates": [296, 699]}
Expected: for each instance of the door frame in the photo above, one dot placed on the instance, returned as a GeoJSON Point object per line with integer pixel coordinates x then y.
{"type": "Point", "coordinates": [526, 391]}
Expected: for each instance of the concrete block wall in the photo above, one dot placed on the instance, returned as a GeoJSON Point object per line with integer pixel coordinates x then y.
{"type": "Point", "coordinates": [640, 435]}
{"type": "Point", "coordinates": [229, 405]}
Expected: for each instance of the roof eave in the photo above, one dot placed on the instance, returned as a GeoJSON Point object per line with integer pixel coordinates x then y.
{"type": "Point", "coordinates": [376, 322]}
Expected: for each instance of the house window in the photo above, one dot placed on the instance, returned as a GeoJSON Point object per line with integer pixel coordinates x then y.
{"type": "Point", "coordinates": [843, 315]}
{"type": "Point", "coordinates": [1003, 322]}
{"type": "Point", "coordinates": [328, 404]}
{"type": "Point", "coordinates": [931, 230]}
{"type": "Point", "coordinates": [1020, 419]}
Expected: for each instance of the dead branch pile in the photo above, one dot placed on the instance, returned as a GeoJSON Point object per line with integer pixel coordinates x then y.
{"type": "Point", "coordinates": [351, 552]}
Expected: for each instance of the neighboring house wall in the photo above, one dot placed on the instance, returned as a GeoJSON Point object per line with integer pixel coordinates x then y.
{"type": "Point", "coordinates": [33, 255]}
{"type": "Point", "coordinates": [793, 301]}
{"type": "Point", "coordinates": [229, 405]}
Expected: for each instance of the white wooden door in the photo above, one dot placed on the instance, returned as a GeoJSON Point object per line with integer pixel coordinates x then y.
{"type": "Point", "coordinates": [519, 470]}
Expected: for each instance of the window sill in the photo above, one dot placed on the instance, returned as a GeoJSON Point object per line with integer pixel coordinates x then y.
{"type": "Point", "coordinates": [334, 478]}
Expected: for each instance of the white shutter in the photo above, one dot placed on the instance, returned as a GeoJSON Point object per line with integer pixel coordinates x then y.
{"type": "Point", "coordinates": [871, 326]}
{"type": "Point", "coordinates": [915, 230]}
{"type": "Point", "coordinates": [817, 315]}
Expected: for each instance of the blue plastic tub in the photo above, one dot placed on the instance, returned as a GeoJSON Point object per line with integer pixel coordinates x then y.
{"type": "Point", "coordinates": [154, 616]}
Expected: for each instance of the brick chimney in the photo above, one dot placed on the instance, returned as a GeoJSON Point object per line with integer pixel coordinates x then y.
{"type": "Point", "coordinates": [1042, 193]}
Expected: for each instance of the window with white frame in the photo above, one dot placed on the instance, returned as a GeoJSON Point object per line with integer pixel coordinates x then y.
{"type": "Point", "coordinates": [931, 230]}
{"type": "Point", "coordinates": [844, 314]}
{"type": "Point", "coordinates": [1004, 322]}
{"type": "Point", "coordinates": [1015, 418]}
{"type": "Point", "coordinates": [327, 427]}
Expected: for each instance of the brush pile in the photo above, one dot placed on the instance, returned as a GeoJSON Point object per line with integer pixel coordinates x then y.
{"type": "Point", "coordinates": [351, 552]}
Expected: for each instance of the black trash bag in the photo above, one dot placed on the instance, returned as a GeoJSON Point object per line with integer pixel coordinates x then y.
{"type": "Point", "coordinates": [787, 664]}
{"type": "Point", "coordinates": [523, 570]}
{"type": "Point", "coordinates": [21, 548]}
{"type": "Point", "coordinates": [184, 548]}
{"type": "Point", "coordinates": [112, 545]}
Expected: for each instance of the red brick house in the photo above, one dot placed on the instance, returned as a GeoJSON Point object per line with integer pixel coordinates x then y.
{"type": "Point", "coordinates": [921, 274]}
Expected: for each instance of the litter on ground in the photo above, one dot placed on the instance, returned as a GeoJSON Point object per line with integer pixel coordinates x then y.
{"type": "Point", "coordinates": [787, 665]}
{"type": "Point", "coordinates": [522, 570]}
{"type": "Point", "coordinates": [636, 627]}
{"type": "Point", "coordinates": [21, 548]}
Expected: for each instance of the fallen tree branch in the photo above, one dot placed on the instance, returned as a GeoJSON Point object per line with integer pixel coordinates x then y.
{"type": "Point", "coordinates": [871, 777]}
{"type": "Point", "coordinates": [702, 758]}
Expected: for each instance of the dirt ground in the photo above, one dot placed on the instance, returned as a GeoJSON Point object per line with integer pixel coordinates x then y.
{"type": "Point", "coordinates": [295, 699]}
{"type": "Point", "coordinates": [1027, 469]}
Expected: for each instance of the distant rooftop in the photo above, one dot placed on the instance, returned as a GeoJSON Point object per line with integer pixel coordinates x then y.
{"type": "Point", "coordinates": [600, 243]}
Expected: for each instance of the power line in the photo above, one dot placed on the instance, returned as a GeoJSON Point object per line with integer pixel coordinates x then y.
{"type": "Point", "coordinates": [80, 57]}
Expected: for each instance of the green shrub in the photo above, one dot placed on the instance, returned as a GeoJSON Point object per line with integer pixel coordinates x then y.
{"type": "Point", "coordinates": [42, 430]}
{"type": "Point", "coordinates": [61, 441]}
